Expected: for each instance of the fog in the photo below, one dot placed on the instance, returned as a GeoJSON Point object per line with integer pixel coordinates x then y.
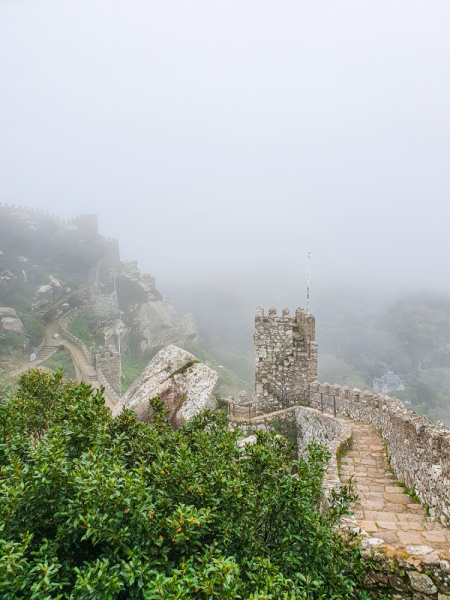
{"type": "Point", "coordinates": [221, 141]}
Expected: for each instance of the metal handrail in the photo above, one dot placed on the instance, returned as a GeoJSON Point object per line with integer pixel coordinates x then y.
{"type": "Point", "coordinates": [304, 398]}
{"type": "Point", "coordinates": [36, 351]}
{"type": "Point", "coordinates": [39, 348]}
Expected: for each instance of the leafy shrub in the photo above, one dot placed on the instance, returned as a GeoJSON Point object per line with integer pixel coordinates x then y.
{"type": "Point", "coordinates": [117, 509]}
{"type": "Point", "coordinates": [10, 342]}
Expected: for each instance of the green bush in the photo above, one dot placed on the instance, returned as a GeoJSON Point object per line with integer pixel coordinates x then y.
{"type": "Point", "coordinates": [100, 508]}
{"type": "Point", "coordinates": [10, 343]}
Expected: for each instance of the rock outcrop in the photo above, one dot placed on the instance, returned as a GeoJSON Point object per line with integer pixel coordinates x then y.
{"type": "Point", "coordinates": [189, 328]}
{"type": "Point", "coordinates": [184, 384]}
{"type": "Point", "coordinates": [116, 334]}
{"type": "Point", "coordinates": [147, 313]}
{"type": "Point", "coordinates": [10, 321]}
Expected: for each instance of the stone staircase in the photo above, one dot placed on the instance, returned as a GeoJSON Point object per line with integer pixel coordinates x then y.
{"type": "Point", "coordinates": [45, 352]}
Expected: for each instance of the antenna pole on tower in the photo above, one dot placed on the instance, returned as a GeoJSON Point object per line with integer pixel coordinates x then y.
{"type": "Point", "coordinates": [308, 282]}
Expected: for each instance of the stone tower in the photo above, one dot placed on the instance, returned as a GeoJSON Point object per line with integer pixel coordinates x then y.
{"type": "Point", "coordinates": [285, 352]}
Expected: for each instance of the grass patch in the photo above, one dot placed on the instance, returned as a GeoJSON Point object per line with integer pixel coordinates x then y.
{"type": "Point", "coordinates": [409, 491]}
{"type": "Point", "coordinates": [61, 359]}
{"type": "Point", "coordinates": [83, 328]}
{"type": "Point", "coordinates": [132, 367]}
{"type": "Point", "coordinates": [185, 367]}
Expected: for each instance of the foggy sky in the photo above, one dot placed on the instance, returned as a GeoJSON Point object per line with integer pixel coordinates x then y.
{"type": "Point", "coordinates": [222, 140]}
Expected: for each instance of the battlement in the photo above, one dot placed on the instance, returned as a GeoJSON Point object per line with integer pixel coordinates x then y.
{"type": "Point", "coordinates": [88, 223]}
{"type": "Point", "coordinates": [285, 351]}
{"type": "Point", "coordinates": [302, 322]}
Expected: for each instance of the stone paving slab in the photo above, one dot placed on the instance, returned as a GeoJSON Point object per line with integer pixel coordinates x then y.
{"type": "Point", "coordinates": [384, 509]}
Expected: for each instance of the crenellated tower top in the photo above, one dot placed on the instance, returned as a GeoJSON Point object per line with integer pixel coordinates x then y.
{"type": "Point", "coordinates": [285, 351]}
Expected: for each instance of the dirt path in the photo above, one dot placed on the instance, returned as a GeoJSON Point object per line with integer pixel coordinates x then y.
{"type": "Point", "coordinates": [385, 510]}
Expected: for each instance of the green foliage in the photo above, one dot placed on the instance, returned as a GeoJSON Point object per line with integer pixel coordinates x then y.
{"type": "Point", "coordinates": [83, 327]}
{"type": "Point", "coordinates": [61, 359]}
{"type": "Point", "coordinates": [10, 342]}
{"type": "Point", "coordinates": [34, 328]}
{"type": "Point", "coordinates": [97, 508]}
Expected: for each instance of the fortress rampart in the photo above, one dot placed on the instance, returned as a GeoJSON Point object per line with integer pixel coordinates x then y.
{"type": "Point", "coordinates": [419, 451]}
{"type": "Point", "coordinates": [87, 223]}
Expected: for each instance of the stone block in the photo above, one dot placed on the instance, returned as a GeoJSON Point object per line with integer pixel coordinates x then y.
{"type": "Point", "coordinates": [389, 537]}
{"type": "Point", "coordinates": [434, 536]}
{"type": "Point", "coordinates": [397, 498]}
{"type": "Point", "coordinates": [410, 537]}
{"type": "Point", "coordinates": [421, 583]}
{"type": "Point", "coordinates": [368, 526]}
{"type": "Point", "coordinates": [410, 526]}
{"type": "Point", "coordinates": [390, 525]}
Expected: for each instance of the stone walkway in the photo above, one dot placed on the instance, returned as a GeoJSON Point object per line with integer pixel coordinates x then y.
{"type": "Point", "coordinates": [385, 510]}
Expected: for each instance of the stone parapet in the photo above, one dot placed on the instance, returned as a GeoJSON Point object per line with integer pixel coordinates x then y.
{"type": "Point", "coordinates": [64, 325]}
{"type": "Point", "coordinates": [419, 451]}
{"type": "Point", "coordinates": [303, 425]}
{"type": "Point", "coordinates": [395, 572]}
{"type": "Point", "coordinates": [405, 573]}
{"type": "Point", "coordinates": [114, 397]}
{"type": "Point", "coordinates": [107, 362]}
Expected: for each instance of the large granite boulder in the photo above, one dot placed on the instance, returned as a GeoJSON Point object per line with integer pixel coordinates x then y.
{"type": "Point", "coordinates": [184, 384]}
{"type": "Point", "coordinates": [10, 321]}
{"type": "Point", "coordinates": [46, 294]}
{"type": "Point", "coordinates": [158, 324]}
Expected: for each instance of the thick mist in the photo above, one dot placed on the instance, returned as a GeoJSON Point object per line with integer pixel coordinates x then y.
{"type": "Point", "coordinates": [222, 141]}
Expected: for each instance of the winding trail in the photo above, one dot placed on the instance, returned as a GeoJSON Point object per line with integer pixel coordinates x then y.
{"type": "Point", "coordinates": [384, 509]}
{"type": "Point", "coordinates": [84, 371]}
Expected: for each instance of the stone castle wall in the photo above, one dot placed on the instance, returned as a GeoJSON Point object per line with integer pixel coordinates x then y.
{"type": "Point", "coordinates": [419, 451]}
{"type": "Point", "coordinates": [400, 573]}
{"type": "Point", "coordinates": [107, 362]}
{"type": "Point", "coordinates": [304, 425]}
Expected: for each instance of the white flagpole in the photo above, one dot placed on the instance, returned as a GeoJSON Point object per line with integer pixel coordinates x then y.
{"type": "Point", "coordinates": [308, 282]}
